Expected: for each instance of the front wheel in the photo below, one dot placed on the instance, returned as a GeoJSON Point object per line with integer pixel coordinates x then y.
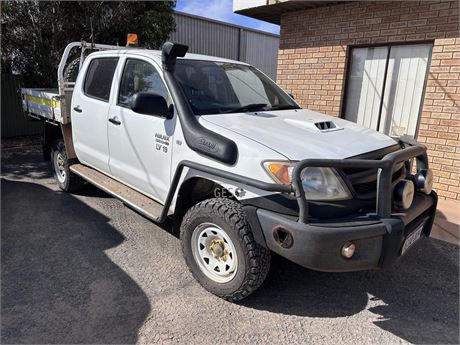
{"type": "Point", "coordinates": [220, 250]}
{"type": "Point", "coordinates": [67, 181]}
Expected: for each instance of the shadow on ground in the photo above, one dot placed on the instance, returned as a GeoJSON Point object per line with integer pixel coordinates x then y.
{"type": "Point", "coordinates": [417, 299]}
{"type": "Point", "coordinates": [58, 285]}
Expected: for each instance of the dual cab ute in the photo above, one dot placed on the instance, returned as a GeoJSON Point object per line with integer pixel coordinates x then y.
{"type": "Point", "coordinates": [241, 168]}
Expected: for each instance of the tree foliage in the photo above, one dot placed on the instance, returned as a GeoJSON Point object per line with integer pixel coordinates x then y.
{"type": "Point", "coordinates": [35, 33]}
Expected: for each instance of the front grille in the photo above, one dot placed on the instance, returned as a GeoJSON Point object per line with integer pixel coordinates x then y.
{"type": "Point", "coordinates": [364, 181]}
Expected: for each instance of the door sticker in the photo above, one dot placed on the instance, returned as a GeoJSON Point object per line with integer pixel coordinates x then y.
{"type": "Point", "coordinates": [161, 142]}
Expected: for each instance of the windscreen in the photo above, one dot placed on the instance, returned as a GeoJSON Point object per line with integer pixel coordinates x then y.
{"type": "Point", "coordinates": [219, 87]}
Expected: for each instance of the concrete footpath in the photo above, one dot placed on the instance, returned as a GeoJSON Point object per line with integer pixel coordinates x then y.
{"type": "Point", "coordinates": [447, 222]}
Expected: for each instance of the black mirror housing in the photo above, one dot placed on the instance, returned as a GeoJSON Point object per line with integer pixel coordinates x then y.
{"type": "Point", "coordinates": [150, 104]}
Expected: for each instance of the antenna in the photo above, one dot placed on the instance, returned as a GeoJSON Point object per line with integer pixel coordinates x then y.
{"type": "Point", "coordinates": [92, 31]}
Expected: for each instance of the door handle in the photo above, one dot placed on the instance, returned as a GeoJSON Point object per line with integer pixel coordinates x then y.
{"type": "Point", "coordinates": [115, 120]}
{"type": "Point", "coordinates": [77, 109]}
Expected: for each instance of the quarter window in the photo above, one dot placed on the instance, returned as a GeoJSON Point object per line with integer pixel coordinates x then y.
{"type": "Point", "coordinates": [98, 81]}
{"type": "Point", "coordinates": [140, 76]}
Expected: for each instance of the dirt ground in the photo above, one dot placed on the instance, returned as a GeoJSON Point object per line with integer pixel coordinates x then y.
{"type": "Point", "coordinates": [84, 268]}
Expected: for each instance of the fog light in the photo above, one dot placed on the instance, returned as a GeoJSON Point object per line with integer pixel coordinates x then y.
{"type": "Point", "coordinates": [424, 180]}
{"type": "Point", "coordinates": [348, 250]}
{"type": "Point", "coordinates": [404, 194]}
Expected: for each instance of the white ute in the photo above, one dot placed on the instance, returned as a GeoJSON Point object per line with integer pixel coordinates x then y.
{"type": "Point", "coordinates": [241, 168]}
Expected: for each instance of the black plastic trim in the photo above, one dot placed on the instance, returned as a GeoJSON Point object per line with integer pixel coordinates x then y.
{"type": "Point", "coordinates": [270, 187]}
{"type": "Point", "coordinates": [280, 203]}
{"type": "Point", "coordinates": [253, 220]}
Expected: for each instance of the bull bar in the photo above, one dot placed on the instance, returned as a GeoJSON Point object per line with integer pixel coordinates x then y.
{"type": "Point", "coordinates": [384, 166]}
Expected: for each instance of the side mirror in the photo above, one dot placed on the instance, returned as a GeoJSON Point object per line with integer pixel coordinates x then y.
{"type": "Point", "coordinates": [150, 104]}
{"type": "Point", "coordinates": [291, 95]}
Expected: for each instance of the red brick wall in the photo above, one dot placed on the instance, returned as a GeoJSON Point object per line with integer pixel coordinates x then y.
{"type": "Point", "coordinates": [312, 66]}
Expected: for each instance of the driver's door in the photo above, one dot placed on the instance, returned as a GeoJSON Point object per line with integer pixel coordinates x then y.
{"type": "Point", "coordinates": [140, 145]}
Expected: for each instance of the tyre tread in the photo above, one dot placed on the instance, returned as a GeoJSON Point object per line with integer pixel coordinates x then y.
{"type": "Point", "coordinates": [258, 257]}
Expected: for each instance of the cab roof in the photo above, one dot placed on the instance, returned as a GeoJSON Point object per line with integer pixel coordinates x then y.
{"type": "Point", "coordinates": [156, 55]}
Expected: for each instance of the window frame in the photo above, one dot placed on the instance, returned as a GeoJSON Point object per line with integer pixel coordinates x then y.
{"type": "Point", "coordinates": [123, 67]}
{"type": "Point", "coordinates": [389, 45]}
{"type": "Point", "coordinates": [217, 60]}
{"type": "Point", "coordinates": [117, 58]}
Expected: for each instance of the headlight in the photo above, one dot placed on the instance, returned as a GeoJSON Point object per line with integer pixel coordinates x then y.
{"type": "Point", "coordinates": [323, 184]}
{"type": "Point", "coordinates": [318, 183]}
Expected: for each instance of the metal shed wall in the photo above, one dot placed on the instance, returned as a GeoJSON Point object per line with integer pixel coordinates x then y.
{"type": "Point", "coordinates": [262, 52]}
{"type": "Point", "coordinates": [210, 37]}
{"type": "Point", "coordinates": [206, 37]}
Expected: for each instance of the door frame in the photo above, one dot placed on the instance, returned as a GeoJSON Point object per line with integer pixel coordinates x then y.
{"type": "Point", "coordinates": [389, 45]}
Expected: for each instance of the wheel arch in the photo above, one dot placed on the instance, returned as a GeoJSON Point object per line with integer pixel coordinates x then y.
{"type": "Point", "coordinates": [198, 188]}
{"type": "Point", "coordinates": [51, 133]}
{"type": "Point", "coordinates": [194, 190]}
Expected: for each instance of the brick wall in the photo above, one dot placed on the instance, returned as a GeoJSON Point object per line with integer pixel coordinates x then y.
{"type": "Point", "coordinates": [312, 65]}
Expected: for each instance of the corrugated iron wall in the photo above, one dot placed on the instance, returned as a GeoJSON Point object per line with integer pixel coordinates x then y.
{"type": "Point", "coordinates": [206, 37]}
{"type": "Point", "coordinates": [262, 52]}
{"type": "Point", "coordinates": [210, 37]}
{"type": "Point", "coordinates": [14, 123]}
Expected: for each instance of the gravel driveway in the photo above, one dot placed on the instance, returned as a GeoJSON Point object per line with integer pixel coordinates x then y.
{"type": "Point", "coordinates": [86, 269]}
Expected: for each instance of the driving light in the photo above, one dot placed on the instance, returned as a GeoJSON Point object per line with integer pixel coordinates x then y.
{"type": "Point", "coordinates": [424, 180]}
{"type": "Point", "coordinates": [348, 250]}
{"type": "Point", "coordinates": [403, 194]}
{"type": "Point", "coordinates": [323, 184]}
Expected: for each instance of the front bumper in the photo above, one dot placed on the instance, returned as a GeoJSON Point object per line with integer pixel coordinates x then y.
{"type": "Point", "coordinates": [317, 245]}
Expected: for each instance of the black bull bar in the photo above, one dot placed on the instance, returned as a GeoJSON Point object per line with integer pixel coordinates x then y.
{"type": "Point", "coordinates": [384, 166]}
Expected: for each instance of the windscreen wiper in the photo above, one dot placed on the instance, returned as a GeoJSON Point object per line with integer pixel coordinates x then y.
{"type": "Point", "coordinates": [283, 107]}
{"type": "Point", "coordinates": [248, 107]}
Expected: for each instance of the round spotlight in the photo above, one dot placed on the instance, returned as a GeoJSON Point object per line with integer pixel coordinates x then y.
{"type": "Point", "coordinates": [348, 249]}
{"type": "Point", "coordinates": [404, 194]}
{"type": "Point", "coordinates": [424, 180]}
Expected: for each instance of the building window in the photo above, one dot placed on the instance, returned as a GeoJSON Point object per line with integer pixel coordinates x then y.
{"type": "Point", "coordinates": [385, 87]}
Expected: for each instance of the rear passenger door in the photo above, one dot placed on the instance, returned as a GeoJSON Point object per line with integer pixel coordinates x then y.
{"type": "Point", "coordinates": [90, 107]}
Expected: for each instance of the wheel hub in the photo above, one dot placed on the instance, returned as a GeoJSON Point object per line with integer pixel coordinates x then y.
{"type": "Point", "coordinates": [59, 167]}
{"type": "Point", "coordinates": [214, 252]}
{"type": "Point", "coordinates": [219, 250]}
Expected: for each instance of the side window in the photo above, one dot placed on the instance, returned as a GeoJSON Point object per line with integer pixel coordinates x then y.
{"type": "Point", "coordinates": [139, 76]}
{"type": "Point", "coordinates": [98, 80]}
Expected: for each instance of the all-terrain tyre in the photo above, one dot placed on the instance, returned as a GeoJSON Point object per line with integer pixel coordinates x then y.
{"type": "Point", "coordinates": [67, 180]}
{"type": "Point", "coordinates": [71, 70]}
{"type": "Point", "coordinates": [220, 250]}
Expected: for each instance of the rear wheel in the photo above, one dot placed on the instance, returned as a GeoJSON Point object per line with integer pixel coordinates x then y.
{"type": "Point", "coordinates": [220, 250]}
{"type": "Point", "coordinates": [67, 180]}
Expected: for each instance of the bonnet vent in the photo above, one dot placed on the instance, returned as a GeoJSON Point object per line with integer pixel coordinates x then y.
{"type": "Point", "coordinates": [326, 125]}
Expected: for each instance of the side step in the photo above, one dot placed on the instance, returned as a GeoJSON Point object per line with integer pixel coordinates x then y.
{"type": "Point", "coordinates": [138, 201]}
